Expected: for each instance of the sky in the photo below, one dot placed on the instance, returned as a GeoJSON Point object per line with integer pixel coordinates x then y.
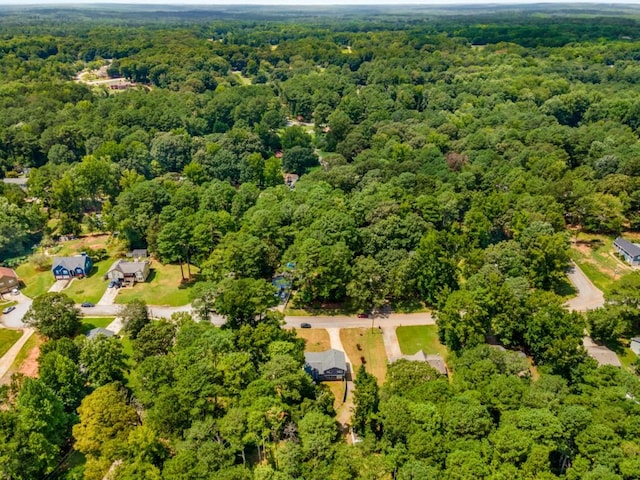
{"type": "Point", "coordinates": [306, 2]}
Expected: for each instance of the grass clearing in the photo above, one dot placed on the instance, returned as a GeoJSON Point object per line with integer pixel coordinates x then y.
{"type": "Point", "coordinates": [365, 347]}
{"type": "Point", "coordinates": [420, 337]}
{"type": "Point", "coordinates": [317, 339]}
{"type": "Point", "coordinates": [91, 288]}
{"type": "Point", "coordinates": [7, 339]}
{"type": "Point", "coordinates": [89, 323]}
{"type": "Point", "coordinates": [36, 282]}
{"type": "Point", "coordinates": [337, 388]}
{"type": "Point", "coordinates": [163, 287]}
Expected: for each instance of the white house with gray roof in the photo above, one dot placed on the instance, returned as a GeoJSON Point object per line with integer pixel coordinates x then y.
{"type": "Point", "coordinates": [130, 272]}
{"type": "Point", "coordinates": [327, 365]}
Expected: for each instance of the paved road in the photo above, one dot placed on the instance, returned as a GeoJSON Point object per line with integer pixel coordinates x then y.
{"type": "Point", "coordinates": [344, 321]}
{"type": "Point", "coordinates": [589, 297]}
{"type": "Point", "coordinates": [14, 319]}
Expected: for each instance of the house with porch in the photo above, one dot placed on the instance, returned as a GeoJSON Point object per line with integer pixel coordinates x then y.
{"type": "Point", "coordinates": [78, 266]}
{"type": "Point", "coordinates": [128, 272]}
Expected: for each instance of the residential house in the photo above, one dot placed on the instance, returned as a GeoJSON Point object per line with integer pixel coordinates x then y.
{"type": "Point", "coordinates": [8, 280]}
{"type": "Point", "coordinates": [635, 345]}
{"type": "Point", "coordinates": [630, 251]}
{"type": "Point", "coordinates": [96, 332]}
{"type": "Point", "coordinates": [327, 365]}
{"type": "Point", "coordinates": [71, 267]}
{"type": "Point", "coordinates": [129, 272]}
{"type": "Point", "coordinates": [435, 360]}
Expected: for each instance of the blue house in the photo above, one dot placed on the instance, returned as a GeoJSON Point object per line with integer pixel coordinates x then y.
{"type": "Point", "coordinates": [71, 267]}
{"type": "Point", "coordinates": [630, 251]}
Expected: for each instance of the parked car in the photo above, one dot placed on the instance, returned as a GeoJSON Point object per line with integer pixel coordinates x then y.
{"type": "Point", "coordinates": [363, 315]}
{"type": "Point", "coordinates": [87, 304]}
{"type": "Point", "coordinates": [112, 284]}
{"type": "Point", "coordinates": [15, 291]}
{"type": "Point", "coordinates": [305, 325]}
{"type": "Point", "coordinates": [8, 310]}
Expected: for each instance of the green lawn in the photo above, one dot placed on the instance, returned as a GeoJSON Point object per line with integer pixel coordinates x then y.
{"type": "Point", "coordinates": [421, 337]}
{"type": "Point", "coordinates": [627, 357]}
{"type": "Point", "coordinates": [163, 287]}
{"type": "Point", "coordinates": [7, 339]}
{"type": "Point", "coordinates": [89, 323]}
{"type": "Point", "coordinates": [91, 288]}
{"type": "Point", "coordinates": [364, 346]}
{"type": "Point", "coordinates": [36, 282]}
{"type": "Point", "coordinates": [34, 341]}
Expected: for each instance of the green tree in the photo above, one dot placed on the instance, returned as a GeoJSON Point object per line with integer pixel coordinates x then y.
{"type": "Point", "coordinates": [54, 316]}
{"type": "Point", "coordinates": [62, 375]}
{"type": "Point", "coordinates": [135, 316]}
{"type": "Point", "coordinates": [365, 399]}
{"type": "Point", "coordinates": [103, 360]}
{"type": "Point", "coordinates": [244, 301]}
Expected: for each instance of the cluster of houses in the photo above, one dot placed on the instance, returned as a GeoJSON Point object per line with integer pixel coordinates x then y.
{"type": "Point", "coordinates": [121, 271]}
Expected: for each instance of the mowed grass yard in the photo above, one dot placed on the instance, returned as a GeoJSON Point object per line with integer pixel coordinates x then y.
{"type": "Point", "coordinates": [89, 323]}
{"type": "Point", "coordinates": [317, 339]}
{"type": "Point", "coordinates": [7, 339]}
{"type": "Point", "coordinates": [595, 255]}
{"type": "Point", "coordinates": [163, 287]}
{"type": "Point", "coordinates": [420, 337]}
{"type": "Point", "coordinates": [365, 347]}
{"type": "Point", "coordinates": [36, 282]}
{"type": "Point", "coordinates": [91, 288]}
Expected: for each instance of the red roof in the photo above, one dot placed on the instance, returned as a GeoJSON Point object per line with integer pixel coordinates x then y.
{"type": "Point", "coordinates": [7, 272]}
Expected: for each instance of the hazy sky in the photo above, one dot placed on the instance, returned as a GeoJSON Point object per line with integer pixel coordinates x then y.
{"type": "Point", "coordinates": [308, 2]}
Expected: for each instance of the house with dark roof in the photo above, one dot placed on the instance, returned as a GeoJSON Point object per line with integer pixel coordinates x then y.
{"type": "Point", "coordinates": [327, 365]}
{"type": "Point", "coordinates": [130, 272]}
{"type": "Point", "coordinates": [630, 251]}
{"type": "Point", "coordinates": [8, 279]}
{"type": "Point", "coordinates": [71, 267]}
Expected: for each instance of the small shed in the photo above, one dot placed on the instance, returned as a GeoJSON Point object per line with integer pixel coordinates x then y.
{"type": "Point", "coordinates": [137, 253]}
{"type": "Point", "coordinates": [327, 365]}
{"type": "Point", "coordinates": [635, 345]}
{"type": "Point", "coordinates": [96, 332]}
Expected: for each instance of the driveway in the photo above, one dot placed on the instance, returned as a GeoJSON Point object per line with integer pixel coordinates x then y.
{"type": "Point", "coordinates": [109, 296]}
{"type": "Point", "coordinates": [346, 409]}
{"type": "Point", "coordinates": [7, 359]}
{"type": "Point", "coordinates": [589, 297]}
{"type": "Point", "coordinates": [59, 285]}
{"type": "Point", "coordinates": [14, 319]}
{"type": "Point", "coordinates": [391, 344]}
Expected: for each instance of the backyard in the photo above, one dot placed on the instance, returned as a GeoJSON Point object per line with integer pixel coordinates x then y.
{"type": "Point", "coordinates": [420, 337]}
{"type": "Point", "coordinates": [7, 339]}
{"type": "Point", "coordinates": [317, 339]}
{"type": "Point", "coordinates": [364, 346]}
{"type": "Point", "coordinates": [595, 255]}
{"type": "Point", "coordinates": [163, 287]}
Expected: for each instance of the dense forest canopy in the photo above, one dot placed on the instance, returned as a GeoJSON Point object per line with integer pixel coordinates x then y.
{"type": "Point", "coordinates": [438, 158]}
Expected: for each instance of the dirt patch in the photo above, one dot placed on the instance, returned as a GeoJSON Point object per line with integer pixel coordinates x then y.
{"type": "Point", "coordinates": [583, 247]}
{"type": "Point", "coordinates": [29, 367]}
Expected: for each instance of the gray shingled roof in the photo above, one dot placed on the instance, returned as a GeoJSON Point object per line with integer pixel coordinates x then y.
{"type": "Point", "coordinates": [96, 332]}
{"type": "Point", "coordinates": [323, 361]}
{"type": "Point", "coordinates": [70, 263]}
{"type": "Point", "coordinates": [631, 248]}
{"type": "Point", "coordinates": [435, 360]}
{"type": "Point", "coordinates": [128, 268]}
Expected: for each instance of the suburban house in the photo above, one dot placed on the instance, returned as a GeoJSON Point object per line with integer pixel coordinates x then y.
{"type": "Point", "coordinates": [71, 267]}
{"type": "Point", "coordinates": [630, 251]}
{"type": "Point", "coordinates": [635, 345]}
{"type": "Point", "coordinates": [8, 280]}
{"type": "Point", "coordinates": [129, 272]}
{"type": "Point", "coordinates": [96, 332]}
{"type": "Point", "coordinates": [327, 365]}
{"type": "Point", "coordinates": [435, 360]}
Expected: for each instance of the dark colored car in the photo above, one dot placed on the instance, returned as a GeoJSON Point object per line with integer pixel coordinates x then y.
{"type": "Point", "coordinates": [8, 310]}
{"type": "Point", "coordinates": [87, 304]}
{"type": "Point", "coordinates": [363, 315]}
{"type": "Point", "coordinates": [305, 325]}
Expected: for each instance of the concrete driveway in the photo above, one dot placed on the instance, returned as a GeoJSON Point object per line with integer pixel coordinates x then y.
{"type": "Point", "coordinates": [59, 285]}
{"type": "Point", "coordinates": [14, 319]}
{"type": "Point", "coordinates": [109, 296]}
{"type": "Point", "coordinates": [589, 296]}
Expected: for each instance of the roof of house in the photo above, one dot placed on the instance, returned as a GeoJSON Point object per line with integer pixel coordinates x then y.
{"type": "Point", "coordinates": [128, 268]}
{"type": "Point", "coordinates": [435, 360]}
{"type": "Point", "coordinates": [8, 272]}
{"type": "Point", "coordinates": [631, 248]}
{"type": "Point", "coordinates": [323, 361]}
{"type": "Point", "coordinates": [70, 263]}
{"type": "Point", "coordinates": [137, 252]}
{"type": "Point", "coordinates": [96, 332]}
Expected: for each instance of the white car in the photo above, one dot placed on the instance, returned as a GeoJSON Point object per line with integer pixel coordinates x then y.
{"type": "Point", "coordinates": [15, 291]}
